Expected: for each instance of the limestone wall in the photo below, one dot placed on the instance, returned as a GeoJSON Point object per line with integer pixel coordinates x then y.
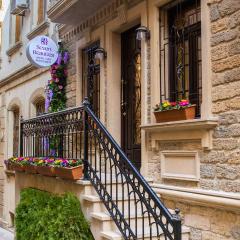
{"type": "Point", "coordinates": [220, 168]}
{"type": "Point", "coordinates": [208, 223]}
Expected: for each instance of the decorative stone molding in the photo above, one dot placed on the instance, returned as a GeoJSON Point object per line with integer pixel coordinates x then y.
{"type": "Point", "coordinates": [58, 7]}
{"type": "Point", "coordinates": [12, 50]}
{"type": "Point", "coordinates": [40, 29]}
{"type": "Point", "coordinates": [20, 76]}
{"type": "Point", "coordinates": [180, 165]}
{"type": "Point", "coordinates": [181, 130]}
{"type": "Point", "coordinates": [108, 11]}
{"type": "Point", "coordinates": [207, 198]}
{"type": "Point", "coordinates": [122, 13]}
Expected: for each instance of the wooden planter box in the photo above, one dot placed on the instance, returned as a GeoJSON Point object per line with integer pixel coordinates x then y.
{"type": "Point", "coordinates": [18, 167]}
{"type": "Point", "coordinates": [175, 114]}
{"type": "Point", "coordinates": [46, 171]}
{"type": "Point", "coordinates": [74, 173]}
{"type": "Point", "coordinates": [31, 169]}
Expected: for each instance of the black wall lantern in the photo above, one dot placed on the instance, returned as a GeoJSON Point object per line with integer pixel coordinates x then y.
{"type": "Point", "coordinates": [100, 53]}
{"type": "Point", "coordinates": [143, 33]}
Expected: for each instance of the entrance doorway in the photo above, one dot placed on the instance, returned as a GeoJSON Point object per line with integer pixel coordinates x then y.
{"type": "Point", "coordinates": [131, 96]}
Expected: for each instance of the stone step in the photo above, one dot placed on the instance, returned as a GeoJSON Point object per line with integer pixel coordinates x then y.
{"type": "Point", "coordinates": [114, 235]}
{"type": "Point", "coordinates": [108, 223]}
{"type": "Point", "coordinates": [125, 205]}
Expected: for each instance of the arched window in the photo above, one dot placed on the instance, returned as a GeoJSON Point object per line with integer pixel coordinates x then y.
{"type": "Point", "coordinates": [16, 119]}
{"type": "Point", "coordinates": [40, 106]}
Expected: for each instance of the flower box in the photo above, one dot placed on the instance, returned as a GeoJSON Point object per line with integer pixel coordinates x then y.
{"type": "Point", "coordinates": [18, 167]}
{"type": "Point", "coordinates": [72, 173]}
{"type": "Point", "coordinates": [31, 169]}
{"type": "Point", "coordinates": [175, 114]}
{"type": "Point", "coordinates": [46, 171]}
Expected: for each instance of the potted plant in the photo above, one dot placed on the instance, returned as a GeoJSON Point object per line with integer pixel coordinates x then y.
{"type": "Point", "coordinates": [45, 167]}
{"type": "Point", "coordinates": [68, 169]}
{"type": "Point", "coordinates": [174, 111]}
{"type": "Point", "coordinates": [17, 164]}
{"type": "Point", "coordinates": [30, 166]}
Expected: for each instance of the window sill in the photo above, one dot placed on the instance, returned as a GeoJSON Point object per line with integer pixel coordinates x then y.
{"type": "Point", "coordinates": [42, 28]}
{"type": "Point", "coordinates": [182, 130]}
{"type": "Point", "coordinates": [12, 50]}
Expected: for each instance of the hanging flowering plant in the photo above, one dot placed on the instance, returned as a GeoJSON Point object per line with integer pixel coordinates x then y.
{"type": "Point", "coordinates": [55, 90]}
{"type": "Point", "coordinates": [55, 94]}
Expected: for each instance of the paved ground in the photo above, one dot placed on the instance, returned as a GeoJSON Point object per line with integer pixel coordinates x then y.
{"type": "Point", "coordinates": [5, 235]}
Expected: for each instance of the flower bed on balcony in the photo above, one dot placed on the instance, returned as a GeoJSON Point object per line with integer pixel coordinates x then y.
{"type": "Point", "coordinates": [53, 167]}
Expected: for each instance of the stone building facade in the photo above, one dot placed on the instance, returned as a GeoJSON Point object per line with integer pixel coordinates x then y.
{"type": "Point", "coordinates": [194, 164]}
{"type": "Point", "coordinates": [22, 89]}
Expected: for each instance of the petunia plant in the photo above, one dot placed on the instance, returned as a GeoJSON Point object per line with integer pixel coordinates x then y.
{"type": "Point", "coordinates": [45, 161]}
{"type": "Point", "coordinates": [166, 105]}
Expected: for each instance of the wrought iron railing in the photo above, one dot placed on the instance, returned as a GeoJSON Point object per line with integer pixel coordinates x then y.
{"type": "Point", "coordinates": [131, 202]}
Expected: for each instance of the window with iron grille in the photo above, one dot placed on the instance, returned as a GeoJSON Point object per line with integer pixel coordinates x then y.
{"type": "Point", "coordinates": [91, 76]}
{"type": "Point", "coordinates": [180, 52]}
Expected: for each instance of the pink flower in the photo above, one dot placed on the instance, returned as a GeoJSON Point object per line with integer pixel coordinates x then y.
{"type": "Point", "coordinates": [60, 87]}
{"type": "Point", "coordinates": [57, 80]}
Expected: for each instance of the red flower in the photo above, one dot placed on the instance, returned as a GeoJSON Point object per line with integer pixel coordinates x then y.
{"type": "Point", "coordinates": [173, 104]}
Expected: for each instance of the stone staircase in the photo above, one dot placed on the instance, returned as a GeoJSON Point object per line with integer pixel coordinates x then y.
{"type": "Point", "coordinates": [102, 225]}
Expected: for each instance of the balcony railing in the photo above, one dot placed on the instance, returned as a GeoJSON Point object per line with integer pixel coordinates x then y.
{"type": "Point", "coordinates": [131, 202]}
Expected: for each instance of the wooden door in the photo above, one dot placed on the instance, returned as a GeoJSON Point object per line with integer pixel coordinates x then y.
{"type": "Point", "coordinates": [131, 96]}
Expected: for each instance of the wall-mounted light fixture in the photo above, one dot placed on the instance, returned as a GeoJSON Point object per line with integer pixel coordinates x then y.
{"type": "Point", "coordinates": [143, 33]}
{"type": "Point", "coordinates": [100, 53]}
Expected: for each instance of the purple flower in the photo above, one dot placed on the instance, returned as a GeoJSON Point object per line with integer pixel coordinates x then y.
{"type": "Point", "coordinates": [53, 152]}
{"type": "Point", "coordinates": [66, 57]}
{"type": "Point", "coordinates": [59, 59]}
{"type": "Point", "coordinates": [50, 95]}
{"type": "Point", "coordinates": [47, 104]}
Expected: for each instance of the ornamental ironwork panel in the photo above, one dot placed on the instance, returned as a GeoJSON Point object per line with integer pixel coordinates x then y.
{"type": "Point", "coordinates": [180, 52]}
{"type": "Point", "coordinates": [77, 133]}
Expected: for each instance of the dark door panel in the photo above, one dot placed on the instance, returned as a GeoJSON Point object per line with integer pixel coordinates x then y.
{"type": "Point", "coordinates": [131, 96]}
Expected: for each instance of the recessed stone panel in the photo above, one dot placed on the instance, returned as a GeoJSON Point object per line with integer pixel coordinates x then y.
{"type": "Point", "coordinates": [180, 165]}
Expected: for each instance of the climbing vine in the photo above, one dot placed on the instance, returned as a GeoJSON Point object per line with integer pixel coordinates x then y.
{"type": "Point", "coordinates": [56, 87]}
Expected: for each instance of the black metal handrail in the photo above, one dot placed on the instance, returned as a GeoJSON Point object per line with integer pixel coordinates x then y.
{"type": "Point", "coordinates": [129, 199]}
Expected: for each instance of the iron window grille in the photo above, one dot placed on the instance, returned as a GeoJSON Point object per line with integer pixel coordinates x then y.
{"type": "Point", "coordinates": [91, 76]}
{"type": "Point", "coordinates": [180, 52]}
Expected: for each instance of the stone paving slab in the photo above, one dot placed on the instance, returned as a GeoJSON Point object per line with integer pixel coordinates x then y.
{"type": "Point", "coordinates": [6, 235]}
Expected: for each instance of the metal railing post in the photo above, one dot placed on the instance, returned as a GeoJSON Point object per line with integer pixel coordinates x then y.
{"type": "Point", "coordinates": [85, 160]}
{"type": "Point", "coordinates": [177, 223]}
{"type": "Point", "coordinates": [21, 137]}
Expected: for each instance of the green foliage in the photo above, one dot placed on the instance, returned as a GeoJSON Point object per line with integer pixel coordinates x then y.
{"type": "Point", "coordinates": [44, 216]}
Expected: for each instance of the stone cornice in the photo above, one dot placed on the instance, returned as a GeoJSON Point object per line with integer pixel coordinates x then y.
{"type": "Point", "coordinates": [38, 30]}
{"type": "Point", "coordinates": [12, 50]}
{"type": "Point", "coordinates": [107, 12]}
{"type": "Point", "coordinates": [16, 75]}
{"type": "Point", "coordinates": [58, 8]}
